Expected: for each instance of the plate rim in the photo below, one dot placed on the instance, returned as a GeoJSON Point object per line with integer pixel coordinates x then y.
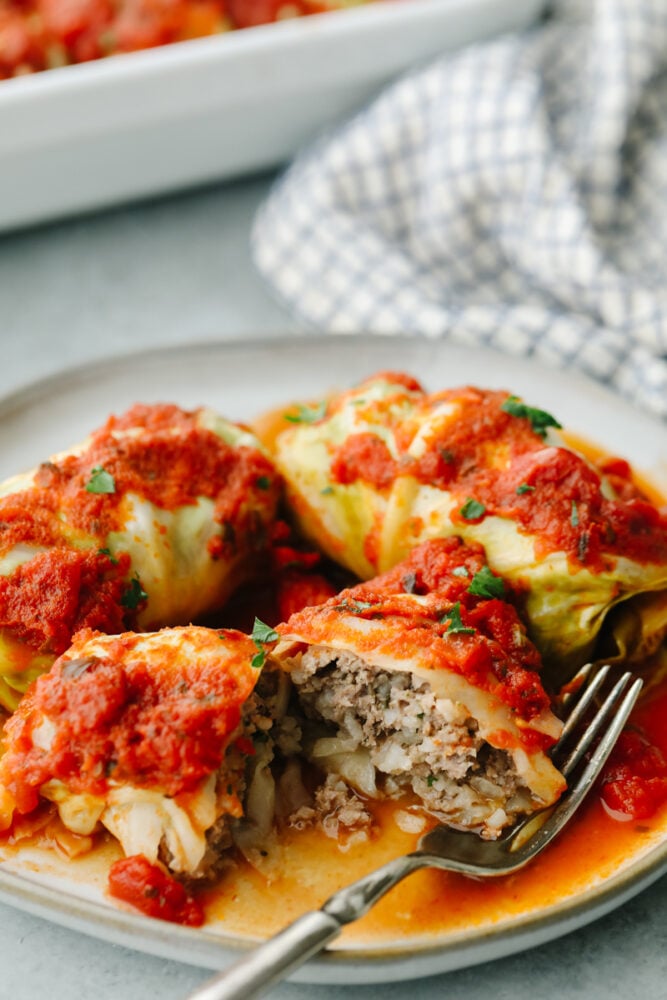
{"type": "Point", "coordinates": [366, 963]}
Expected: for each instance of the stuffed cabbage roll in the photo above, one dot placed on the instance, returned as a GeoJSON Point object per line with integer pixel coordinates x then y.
{"type": "Point", "coordinates": [157, 737]}
{"type": "Point", "coordinates": [423, 684]}
{"type": "Point", "coordinates": [152, 521]}
{"type": "Point", "coordinates": [376, 470]}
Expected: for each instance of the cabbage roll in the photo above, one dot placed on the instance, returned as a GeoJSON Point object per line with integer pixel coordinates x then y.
{"type": "Point", "coordinates": [375, 471]}
{"type": "Point", "coordinates": [156, 737]}
{"type": "Point", "coordinates": [422, 685]}
{"type": "Point", "coordinates": [152, 521]}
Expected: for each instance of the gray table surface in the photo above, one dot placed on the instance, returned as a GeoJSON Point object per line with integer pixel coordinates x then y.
{"type": "Point", "coordinates": [168, 273]}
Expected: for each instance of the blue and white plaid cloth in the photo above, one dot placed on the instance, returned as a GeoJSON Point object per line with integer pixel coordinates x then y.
{"type": "Point", "coordinates": [512, 195]}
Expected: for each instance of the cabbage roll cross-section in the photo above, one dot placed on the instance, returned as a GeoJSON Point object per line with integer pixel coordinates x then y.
{"type": "Point", "coordinates": [152, 521]}
{"type": "Point", "coordinates": [422, 683]}
{"type": "Point", "coordinates": [155, 737]}
{"type": "Point", "coordinates": [374, 471]}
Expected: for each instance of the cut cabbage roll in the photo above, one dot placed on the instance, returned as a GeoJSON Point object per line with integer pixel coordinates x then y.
{"type": "Point", "coordinates": [422, 683]}
{"type": "Point", "coordinates": [153, 520]}
{"type": "Point", "coordinates": [157, 737]}
{"type": "Point", "coordinates": [377, 470]}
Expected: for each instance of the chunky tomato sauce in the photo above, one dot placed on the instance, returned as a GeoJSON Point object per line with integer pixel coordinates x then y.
{"type": "Point", "coordinates": [484, 641]}
{"type": "Point", "coordinates": [148, 888]}
{"type": "Point", "coordinates": [158, 721]}
{"type": "Point", "coordinates": [366, 457]}
{"type": "Point", "coordinates": [157, 453]}
{"type": "Point", "coordinates": [46, 600]}
{"type": "Point", "coordinates": [493, 463]}
{"type": "Point", "coordinates": [171, 465]}
{"type": "Point", "coordinates": [45, 34]}
{"type": "Point", "coordinates": [634, 786]}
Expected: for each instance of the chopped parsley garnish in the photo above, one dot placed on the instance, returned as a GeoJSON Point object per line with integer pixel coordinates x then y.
{"type": "Point", "coordinates": [263, 483]}
{"type": "Point", "coordinates": [261, 634]}
{"type": "Point", "coordinates": [574, 515]}
{"type": "Point", "coordinates": [472, 510]}
{"type": "Point", "coordinates": [100, 481]}
{"type": "Point", "coordinates": [108, 554]}
{"type": "Point", "coordinates": [453, 617]}
{"type": "Point", "coordinates": [539, 419]}
{"type": "Point", "coordinates": [486, 584]}
{"type": "Point", "coordinates": [460, 571]}
{"type": "Point", "coordinates": [524, 488]}
{"type": "Point", "coordinates": [134, 594]}
{"type": "Point", "coordinates": [327, 491]}
{"type": "Point", "coordinates": [431, 780]}
{"type": "Point", "coordinates": [307, 414]}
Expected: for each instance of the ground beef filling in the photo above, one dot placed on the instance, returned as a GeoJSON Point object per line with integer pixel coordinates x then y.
{"type": "Point", "coordinates": [389, 736]}
{"type": "Point", "coordinates": [338, 811]}
{"type": "Point", "coordinates": [262, 731]}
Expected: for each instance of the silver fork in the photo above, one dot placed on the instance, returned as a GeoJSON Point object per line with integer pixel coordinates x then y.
{"type": "Point", "coordinates": [448, 849]}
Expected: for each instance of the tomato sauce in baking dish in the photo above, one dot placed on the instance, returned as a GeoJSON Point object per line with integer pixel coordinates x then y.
{"type": "Point", "coordinates": [45, 34]}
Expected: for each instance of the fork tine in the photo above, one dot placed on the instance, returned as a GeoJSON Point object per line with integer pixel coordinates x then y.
{"type": "Point", "coordinates": [586, 694]}
{"type": "Point", "coordinates": [576, 684]}
{"type": "Point", "coordinates": [601, 752]}
{"type": "Point", "coordinates": [568, 805]}
{"type": "Point", "coordinates": [595, 726]}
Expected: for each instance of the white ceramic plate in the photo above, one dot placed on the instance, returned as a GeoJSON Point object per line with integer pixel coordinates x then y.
{"type": "Point", "coordinates": [88, 136]}
{"type": "Point", "coordinates": [242, 379]}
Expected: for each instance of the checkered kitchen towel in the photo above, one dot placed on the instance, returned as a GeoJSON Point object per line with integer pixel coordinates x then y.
{"type": "Point", "coordinates": [512, 195]}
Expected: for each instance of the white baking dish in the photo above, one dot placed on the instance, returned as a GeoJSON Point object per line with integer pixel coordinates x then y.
{"type": "Point", "coordinates": [87, 136]}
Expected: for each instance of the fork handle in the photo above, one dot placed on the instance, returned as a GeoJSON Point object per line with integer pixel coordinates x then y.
{"type": "Point", "coordinates": [280, 955]}
{"type": "Point", "coordinates": [273, 960]}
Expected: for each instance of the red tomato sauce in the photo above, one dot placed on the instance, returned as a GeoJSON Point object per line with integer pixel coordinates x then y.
{"type": "Point", "coordinates": [150, 890]}
{"type": "Point", "coordinates": [496, 459]}
{"type": "Point", "coordinates": [366, 457]}
{"type": "Point", "coordinates": [152, 724]}
{"type": "Point", "coordinates": [297, 590]}
{"type": "Point", "coordinates": [170, 466]}
{"type": "Point", "coordinates": [493, 653]}
{"type": "Point", "coordinates": [46, 600]}
{"type": "Point", "coordinates": [170, 463]}
{"type": "Point", "coordinates": [634, 785]}
{"type": "Point", "coordinates": [563, 506]}
{"type": "Point", "coordinates": [44, 34]}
